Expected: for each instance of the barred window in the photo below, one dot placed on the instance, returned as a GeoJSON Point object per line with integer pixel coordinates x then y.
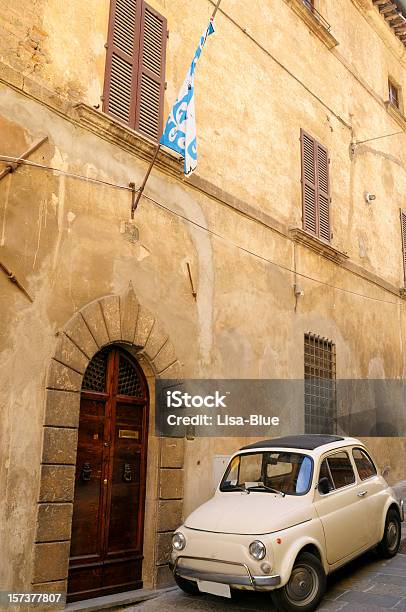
{"type": "Point", "coordinates": [319, 385]}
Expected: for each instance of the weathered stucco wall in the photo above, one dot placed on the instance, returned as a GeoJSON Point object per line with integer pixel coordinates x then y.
{"type": "Point", "coordinates": [69, 241]}
{"type": "Point", "coordinates": [342, 100]}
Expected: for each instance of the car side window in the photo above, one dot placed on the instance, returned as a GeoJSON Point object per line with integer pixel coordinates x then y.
{"type": "Point", "coordinates": [341, 470]}
{"type": "Point", "coordinates": [325, 473]}
{"type": "Point", "coordinates": [365, 467]}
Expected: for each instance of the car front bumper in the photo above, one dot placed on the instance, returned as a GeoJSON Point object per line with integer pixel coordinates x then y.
{"type": "Point", "coordinates": [245, 580]}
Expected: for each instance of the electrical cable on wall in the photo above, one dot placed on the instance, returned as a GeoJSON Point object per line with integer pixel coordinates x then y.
{"type": "Point", "coordinates": [212, 232]}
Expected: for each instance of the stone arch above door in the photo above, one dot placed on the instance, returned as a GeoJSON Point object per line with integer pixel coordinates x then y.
{"type": "Point", "coordinates": [109, 320]}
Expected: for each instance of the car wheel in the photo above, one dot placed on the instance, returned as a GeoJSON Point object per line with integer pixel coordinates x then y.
{"type": "Point", "coordinates": [305, 587]}
{"type": "Point", "coordinates": [187, 586]}
{"type": "Point", "coordinates": [389, 545]}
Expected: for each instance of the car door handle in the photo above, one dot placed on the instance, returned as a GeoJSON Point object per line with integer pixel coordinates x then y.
{"type": "Point", "coordinates": [362, 493]}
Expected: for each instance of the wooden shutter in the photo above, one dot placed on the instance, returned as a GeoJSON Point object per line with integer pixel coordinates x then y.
{"type": "Point", "coordinates": [403, 231]}
{"type": "Point", "coordinates": [135, 66]}
{"type": "Point", "coordinates": [309, 189]}
{"type": "Point", "coordinates": [151, 73]}
{"type": "Point", "coordinates": [315, 187]}
{"type": "Point", "coordinates": [323, 192]}
{"type": "Point", "coordinates": [122, 59]}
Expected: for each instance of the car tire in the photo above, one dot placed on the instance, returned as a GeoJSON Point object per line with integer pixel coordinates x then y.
{"type": "Point", "coordinates": [187, 586]}
{"type": "Point", "coordinates": [305, 588]}
{"type": "Point", "coordinates": [389, 545]}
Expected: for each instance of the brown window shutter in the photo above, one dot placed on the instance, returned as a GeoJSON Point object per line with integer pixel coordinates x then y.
{"type": "Point", "coordinates": [151, 73]}
{"type": "Point", "coordinates": [309, 189]}
{"type": "Point", "coordinates": [135, 66]}
{"type": "Point", "coordinates": [403, 230]}
{"type": "Point", "coordinates": [315, 187]}
{"type": "Point", "coordinates": [122, 59]}
{"type": "Point", "coordinates": [323, 192]}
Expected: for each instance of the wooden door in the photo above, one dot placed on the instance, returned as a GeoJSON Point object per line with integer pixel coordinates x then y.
{"type": "Point", "coordinates": [108, 512]}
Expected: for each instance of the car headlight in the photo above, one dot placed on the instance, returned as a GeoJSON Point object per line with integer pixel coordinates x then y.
{"type": "Point", "coordinates": [178, 541]}
{"type": "Point", "coordinates": [257, 550]}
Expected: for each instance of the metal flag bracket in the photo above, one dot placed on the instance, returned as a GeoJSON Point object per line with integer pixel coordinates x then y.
{"type": "Point", "coordinates": [12, 278]}
{"type": "Point", "coordinates": [12, 166]}
{"type": "Point", "coordinates": [134, 198]}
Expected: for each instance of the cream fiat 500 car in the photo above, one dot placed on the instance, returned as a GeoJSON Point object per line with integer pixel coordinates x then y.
{"type": "Point", "coordinates": [287, 512]}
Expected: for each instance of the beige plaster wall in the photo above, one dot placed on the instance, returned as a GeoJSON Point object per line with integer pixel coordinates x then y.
{"type": "Point", "coordinates": [269, 72]}
{"type": "Point", "coordinates": [68, 241]}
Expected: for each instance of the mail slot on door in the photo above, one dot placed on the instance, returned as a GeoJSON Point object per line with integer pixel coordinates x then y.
{"type": "Point", "coordinates": [128, 433]}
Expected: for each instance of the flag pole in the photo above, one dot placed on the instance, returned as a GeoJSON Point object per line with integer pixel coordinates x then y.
{"type": "Point", "coordinates": [144, 182]}
{"type": "Point", "coordinates": [216, 8]}
{"type": "Point", "coordinates": [158, 147]}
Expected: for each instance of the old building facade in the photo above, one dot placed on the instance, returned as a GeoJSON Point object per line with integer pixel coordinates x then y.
{"type": "Point", "coordinates": [289, 235]}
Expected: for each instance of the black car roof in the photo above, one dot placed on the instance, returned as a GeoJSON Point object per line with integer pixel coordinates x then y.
{"type": "Point", "coordinates": [307, 442]}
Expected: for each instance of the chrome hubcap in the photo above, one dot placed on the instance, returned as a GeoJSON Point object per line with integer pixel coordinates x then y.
{"type": "Point", "coordinates": [303, 585]}
{"type": "Point", "coordinates": [392, 534]}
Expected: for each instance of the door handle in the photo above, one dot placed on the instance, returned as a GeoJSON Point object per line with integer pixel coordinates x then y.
{"type": "Point", "coordinates": [127, 476]}
{"type": "Point", "coordinates": [86, 472]}
{"type": "Point", "coordinates": [362, 493]}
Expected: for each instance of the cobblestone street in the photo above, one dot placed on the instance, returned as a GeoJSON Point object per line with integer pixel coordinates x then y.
{"type": "Point", "coordinates": [366, 584]}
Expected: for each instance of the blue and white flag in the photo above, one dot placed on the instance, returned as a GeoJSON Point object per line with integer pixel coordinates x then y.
{"type": "Point", "coordinates": [180, 130]}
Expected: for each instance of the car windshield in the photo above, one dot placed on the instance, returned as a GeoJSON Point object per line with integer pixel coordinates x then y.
{"type": "Point", "coordinates": [271, 471]}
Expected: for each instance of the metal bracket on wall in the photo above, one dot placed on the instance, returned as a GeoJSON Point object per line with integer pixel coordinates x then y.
{"type": "Point", "coordinates": [14, 280]}
{"type": "Point", "coordinates": [194, 293]}
{"type": "Point", "coordinates": [134, 199]}
{"type": "Point", "coordinates": [12, 166]}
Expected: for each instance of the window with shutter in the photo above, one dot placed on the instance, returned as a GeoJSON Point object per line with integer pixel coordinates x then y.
{"type": "Point", "coordinates": [403, 232]}
{"type": "Point", "coordinates": [315, 187]}
{"type": "Point", "coordinates": [135, 66]}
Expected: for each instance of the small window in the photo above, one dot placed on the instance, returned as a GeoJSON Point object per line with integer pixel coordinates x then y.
{"type": "Point", "coordinates": [365, 467]}
{"type": "Point", "coordinates": [341, 470]}
{"type": "Point", "coordinates": [325, 473]}
{"type": "Point", "coordinates": [338, 470]}
{"type": "Point", "coordinates": [394, 94]}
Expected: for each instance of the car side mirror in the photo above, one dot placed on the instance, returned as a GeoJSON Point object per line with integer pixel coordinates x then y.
{"type": "Point", "coordinates": [324, 486]}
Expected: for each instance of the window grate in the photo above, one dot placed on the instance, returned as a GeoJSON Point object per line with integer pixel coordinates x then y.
{"type": "Point", "coordinates": [129, 382]}
{"type": "Point", "coordinates": [95, 375]}
{"type": "Point", "coordinates": [319, 385]}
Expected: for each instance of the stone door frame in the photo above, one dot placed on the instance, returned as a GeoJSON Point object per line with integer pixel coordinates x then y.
{"type": "Point", "coordinates": [119, 320]}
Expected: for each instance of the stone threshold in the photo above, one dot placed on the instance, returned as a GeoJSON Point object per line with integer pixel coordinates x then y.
{"type": "Point", "coordinates": [117, 600]}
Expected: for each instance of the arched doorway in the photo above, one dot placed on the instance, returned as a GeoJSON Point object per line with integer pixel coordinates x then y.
{"type": "Point", "coordinates": [109, 499]}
